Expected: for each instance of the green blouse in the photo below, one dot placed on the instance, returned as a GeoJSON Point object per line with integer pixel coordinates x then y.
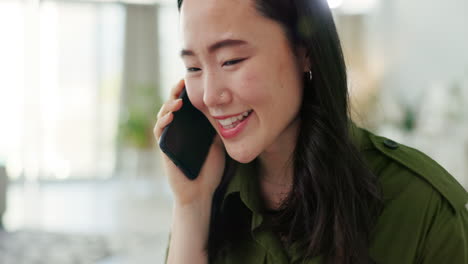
{"type": "Point", "coordinates": [424, 219]}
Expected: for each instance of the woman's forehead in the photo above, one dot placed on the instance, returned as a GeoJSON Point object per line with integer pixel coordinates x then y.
{"type": "Point", "coordinates": [216, 6]}
{"type": "Point", "coordinates": [200, 16]}
{"type": "Point", "coordinates": [208, 21]}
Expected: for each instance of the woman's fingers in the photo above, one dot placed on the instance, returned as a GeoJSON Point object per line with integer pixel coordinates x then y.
{"type": "Point", "coordinates": [174, 96]}
{"type": "Point", "coordinates": [165, 114]}
{"type": "Point", "coordinates": [177, 89]}
{"type": "Point", "coordinates": [169, 106]}
{"type": "Point", "coordinates": [161, 124]}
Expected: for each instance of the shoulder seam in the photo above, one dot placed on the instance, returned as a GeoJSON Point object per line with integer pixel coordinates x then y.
{"type": "Point", "coordinates": [456, 196]}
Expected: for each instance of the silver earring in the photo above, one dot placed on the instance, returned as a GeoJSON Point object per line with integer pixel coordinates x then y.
{"type": "Point", "coordinates": [310, 75]}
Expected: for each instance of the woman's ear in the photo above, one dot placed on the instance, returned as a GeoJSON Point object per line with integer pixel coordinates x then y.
{"type": "Point", "coordinates": [304, 59]}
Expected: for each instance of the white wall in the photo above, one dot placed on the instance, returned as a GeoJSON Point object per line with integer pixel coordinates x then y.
{"type": "Point", "coordinates": [423, 42]}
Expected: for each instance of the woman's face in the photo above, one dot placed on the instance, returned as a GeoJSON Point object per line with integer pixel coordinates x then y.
{"type": "Point", "coordinates": [239, 61]}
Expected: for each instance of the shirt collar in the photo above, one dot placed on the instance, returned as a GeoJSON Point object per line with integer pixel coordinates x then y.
{"type": "Point", "coordinates": [245, 183]}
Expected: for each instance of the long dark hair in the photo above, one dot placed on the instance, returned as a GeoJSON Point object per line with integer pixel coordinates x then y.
{"type": "Point", "coordinates": [335, 199]}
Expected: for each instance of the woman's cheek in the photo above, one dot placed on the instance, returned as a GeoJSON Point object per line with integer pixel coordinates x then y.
{"type": "Point", "coordinates": [253, 87]}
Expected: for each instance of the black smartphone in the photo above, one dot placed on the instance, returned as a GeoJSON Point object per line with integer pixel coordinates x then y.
{"type": "Point", "coordinates": [187, 139]}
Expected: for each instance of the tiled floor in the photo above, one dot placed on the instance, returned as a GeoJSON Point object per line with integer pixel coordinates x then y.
{"type": "Point", "coordinates": [130, 216]}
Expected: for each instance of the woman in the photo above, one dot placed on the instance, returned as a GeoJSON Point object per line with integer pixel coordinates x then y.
{"type": "Point", "coordinates": [291, 179]}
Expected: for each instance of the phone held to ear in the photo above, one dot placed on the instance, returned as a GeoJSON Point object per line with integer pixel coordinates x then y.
{"type": "Point", "coordinates": [187, 139]}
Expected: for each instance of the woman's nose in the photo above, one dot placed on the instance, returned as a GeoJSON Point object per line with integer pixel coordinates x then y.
{"type": "Point", "coordinates": [215, 92]}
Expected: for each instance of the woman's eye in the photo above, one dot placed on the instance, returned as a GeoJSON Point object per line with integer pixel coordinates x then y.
{"type": "Point", "coordinates": [193, 69]}
{"type": "Point", "coordinates": [232, 62]}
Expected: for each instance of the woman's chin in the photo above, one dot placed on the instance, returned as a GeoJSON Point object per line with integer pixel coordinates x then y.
{"type": "Point", "coordinates": [242, 156]}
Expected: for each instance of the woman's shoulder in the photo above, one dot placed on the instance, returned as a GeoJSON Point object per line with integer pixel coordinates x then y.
{"type": "Point", "coordinates": [424, 217]}
{"type": "Point", "coordinates": [406, 171]}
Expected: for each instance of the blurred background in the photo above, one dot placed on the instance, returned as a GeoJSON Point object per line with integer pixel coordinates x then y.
{"type": "Point", "coordinates": [81, 82]}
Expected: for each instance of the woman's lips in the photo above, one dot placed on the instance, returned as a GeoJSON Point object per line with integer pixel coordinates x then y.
{"type": "Point", "coordinates": [232, 132]}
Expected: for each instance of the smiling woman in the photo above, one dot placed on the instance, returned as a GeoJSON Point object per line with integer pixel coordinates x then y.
{"type": "Point", "coordinates": [289, 177]}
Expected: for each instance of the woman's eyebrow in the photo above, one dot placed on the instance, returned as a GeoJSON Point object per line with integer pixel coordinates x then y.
{"type": "Point", "coordinates": [216, 46]}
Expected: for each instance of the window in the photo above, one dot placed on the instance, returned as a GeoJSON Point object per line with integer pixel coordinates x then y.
{"type": "Point", "coordinates": [60, 79]}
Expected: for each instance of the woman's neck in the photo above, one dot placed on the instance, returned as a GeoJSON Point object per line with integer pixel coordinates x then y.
{"type": "Point", "coordinates": [273, 194]}
{"type": "Point", "coordinates": [276, 168]}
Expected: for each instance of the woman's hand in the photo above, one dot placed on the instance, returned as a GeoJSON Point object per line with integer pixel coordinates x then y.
{"type": "Point", "coordinates": [186, 191]}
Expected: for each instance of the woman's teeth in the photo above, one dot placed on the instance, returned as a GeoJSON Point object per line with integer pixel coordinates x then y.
{"type": "Point", "coordinates": [232, 121]}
